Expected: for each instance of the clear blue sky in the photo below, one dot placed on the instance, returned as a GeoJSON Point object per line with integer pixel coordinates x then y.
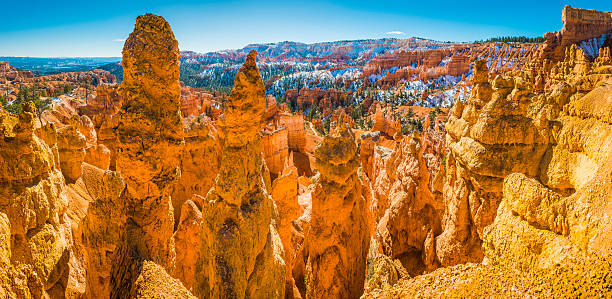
{"type": "Point", "coordinates": [47, 28]}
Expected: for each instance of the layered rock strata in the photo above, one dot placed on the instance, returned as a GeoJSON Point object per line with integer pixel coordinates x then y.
{"type": "Point", "coordinates": [578, 25]}
{"type": "Point", "coordinates": [547, 236]}
{"type": "Point", "coordinates": [285, 194]}
{"type": "Point", "coordinates": [489, 137]}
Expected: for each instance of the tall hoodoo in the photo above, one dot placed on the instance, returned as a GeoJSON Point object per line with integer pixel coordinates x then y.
{"type": "Point", "coordinates": [150, 135]}
{"type": "Point", "coordinates": [241, 253]}
{"type": "Point", "coordinates": [338, 239]}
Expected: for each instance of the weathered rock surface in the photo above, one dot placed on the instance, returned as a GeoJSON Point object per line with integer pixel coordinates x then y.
{"type": "Point", "coordinates": [102, 111]}
{"type": "Point", "coordinates": [337, 242]}
{"type": "Point", "coordinates": [578, 25]}
{"type": "Point", "coordinates": [199, 163]}
{"type": "Point", "coordinates": [275, 147]}
{"type": "Point", "coordinates": [385, 272]}
{"type": "Point", "coordinates": [153, 282]}
{"type": "Point", "coordinates": [187, 243]}
{"type": "Point", "coordinates": [71, 146]}
{"type": "Point", "coordinates": [101, 227]}
{"type": "Point", "coordinates": [241, 254]}
{"type": "Point", "coordinates": [489, 137]}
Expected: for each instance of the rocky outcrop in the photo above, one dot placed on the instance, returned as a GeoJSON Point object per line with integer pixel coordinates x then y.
{"type": "Point", "coordinates": [384, 123]}
{"type": "Point", "coordinates": [75, 78]}
{"type": "Point", "coordinates": [71, 146]}
{"type": "Point", "coordinates": [385, 272]}
{"type": "Point", "coordinates": [391, 70]}
{"type": "Point", "coordinates": [488, 138]}
{"type": "Point", "coordinates": [199, 162]}
{"type": "Point", "coordinates": [337, 242]}
{"type": "Point", "coordinates": [411, 188]}
{"type": "Point", "coordinates": [547, 233]}
{"type": "Point", "coordinates": [477, 280]}
{"type": "Point", "coordinates": [150, 137]}
{"type": "Point", "coordinates": [241, 254]}
{"type": "Point", "coordinates": [152, 281]}
{"type": "Point", "coordinates": [34, 242]}
{"type": "Point", "coordinates": [564, 210]}
{"type": "Point", "coordinates": [578, 25]}
{"type": "Point", "coordinates": [9, 73]}
{"type": "Point", "coordinates": [285, 194]}
{"type": "Point", "coordinates": [306, 97]}
{"type": "Point", "coordinates": [100, 229]}
{"type": "Point", "coordinates": [275, 148]}
{"type": "Point", "coordinates": [299, 142]}
{"type": "Point", "coordinates": [194, 103]}
{"type": "Point", "coordinates": [187, 243]}
{"type": "Point", "coordinates": [102, 111]}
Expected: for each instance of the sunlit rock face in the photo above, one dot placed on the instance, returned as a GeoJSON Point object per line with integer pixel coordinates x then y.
{"type": "Point", "coordinates": [489, 137]}
{"type": "Point", "coordinates": [338, 239]}
{"type": "Point", "coordinates": [285, 194]}
{"type": "Point", "coordinates": [241, 254]}
{"type": "Point", "coordinates": [102, 111]}
{"type": "Point", "coordinates": [199, 163]}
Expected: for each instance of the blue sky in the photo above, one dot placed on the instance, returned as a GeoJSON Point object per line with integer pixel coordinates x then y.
{"type": "Point", "coordinates": [98, 28]}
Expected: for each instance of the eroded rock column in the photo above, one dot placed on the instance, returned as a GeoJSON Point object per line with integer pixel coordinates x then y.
{"type": "Point", "coordinates": [150, 136]}
{"type": "Point", "coordinates": [241, 253]}
{"type": "Point", "coordinates": [338, 239]}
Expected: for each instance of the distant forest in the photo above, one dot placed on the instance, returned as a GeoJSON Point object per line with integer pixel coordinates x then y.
{"type": "Point", "coordinates": [513, 39]}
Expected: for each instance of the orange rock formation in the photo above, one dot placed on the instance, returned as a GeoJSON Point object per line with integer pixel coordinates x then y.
{"type": "Point", "coordinates": [527, 186]}
{"type": "Point", "coordinates": [150, 137]}
{"type": "Point", "coordinates": [408, 197]}
{"type": "Point", "coordinates": [578, 25]}
{"type": "Point", "coordinates": [34, 250]}
{"type": "Point", "coordinates": [285, 194]}
{"type": "Point", "coordinates": [241, 254]}
{"type": "Point", "coordinates": [337, 241]}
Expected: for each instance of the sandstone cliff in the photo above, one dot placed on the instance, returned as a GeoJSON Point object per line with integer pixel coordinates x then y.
{"type": "Point", "coordinates": [409, 205]}
{"type": "Point", "coordinates": [578, 25]}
